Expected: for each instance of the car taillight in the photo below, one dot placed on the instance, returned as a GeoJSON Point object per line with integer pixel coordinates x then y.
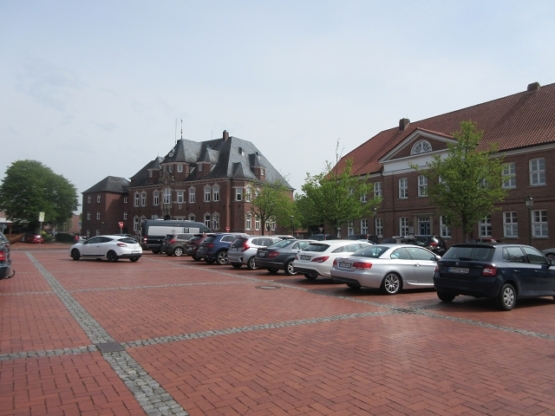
{"type": "Point", "coordinates": [436, 269]}
{"type": "Point", "coordinates": [272, 254]}
{"type": "Point", "coordinates": [2, 256]}
{"type": "Point", "coordinates": [245, 247]}
{"type": "Point", "coordinates": [144, 240]}
{"type": "Point", "coordinates": [362, 265]}
{"type": "Point", "coordinates": [173, 241]}
{"type": "Point", "coordinates": [320, 259]}
{"type": "Point", "coordinates": [433, 244]}
{"type": "Point", "coordinates": [489, 271]}
{"type": "Point", "coordinates": [122, 245]}
{"type": "Point", "coordinates": [209, 245]}
{"type": "Point", "coordinates": [335, 262]}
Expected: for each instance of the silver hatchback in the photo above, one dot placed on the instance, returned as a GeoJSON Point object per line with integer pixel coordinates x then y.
{"type": "Point", "coordinates": [243, 250]}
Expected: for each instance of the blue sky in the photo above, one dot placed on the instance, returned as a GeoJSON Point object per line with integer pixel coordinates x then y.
{"type": "Point", "coordinates": [94, 88]}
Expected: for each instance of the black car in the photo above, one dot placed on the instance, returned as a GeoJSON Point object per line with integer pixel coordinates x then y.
{"type": "Point", "coordinates": [175, 244]}
{"type": "Point", "coordinates": [434, 243]}
{"type": "Point", "coordinates": [503, 272]}
{"type": "Point", "coordinates": [5, 260]}
{"type": "Point", "coordinates": [280, 255]}
{"type": "Point", "coordinates": [214, 247]}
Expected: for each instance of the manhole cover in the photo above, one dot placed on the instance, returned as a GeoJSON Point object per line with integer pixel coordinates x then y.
{"type": "Point", "coordinates": [267, 287]}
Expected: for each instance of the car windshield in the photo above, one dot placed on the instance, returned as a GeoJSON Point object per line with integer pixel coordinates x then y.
{"type": "Point", "coordinates": [209, 239]}
{"type": "Point", "coordinates": [317, 247]}
{"type": "Point", "coordinates": [372, 251]}
{"type": "Point", "coordinates": [128, 240]}
{"type": "Point", "coordinates": [282, 243]}
{"type": "Point", "coordinates": [238, 242]}
{"type": "Point", "coordinates": [469, 253]}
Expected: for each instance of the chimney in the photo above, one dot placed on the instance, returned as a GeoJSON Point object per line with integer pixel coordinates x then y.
{"type": "Point", "coordinates": [534, 86]}
{"type": "Point", "coordinates": [225, 135]}
{"type": "Point", "coordinates": [403, 124]}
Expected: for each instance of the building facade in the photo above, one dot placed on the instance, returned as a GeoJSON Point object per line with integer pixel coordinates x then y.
{"type": "Point", "coordinates": [523, 128]}
{"type": "Point", "coordinates": [212, 182]}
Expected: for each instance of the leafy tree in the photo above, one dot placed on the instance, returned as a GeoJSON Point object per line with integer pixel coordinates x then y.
{"type": "Point", "coordinates": [29, 187]}
{"type": "Point", "coordinates": [467, 183]}
{"type": "Point", "coordinates": [272, 203]}
{"type": "Point", "coordinates": [334, 197]}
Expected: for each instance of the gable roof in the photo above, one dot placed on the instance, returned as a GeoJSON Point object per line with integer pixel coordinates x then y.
{"type": "Point", "coordinates": [110, 184]}
{"type": "Point", "coordinates": [516, 121]}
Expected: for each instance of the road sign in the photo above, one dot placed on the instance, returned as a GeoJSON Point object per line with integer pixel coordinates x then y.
{"type": "Point", "coordinates": [41, 216]}
{"type": "Point", "coordinates": [227, 229]}
{"type": "Point", "coordinates": [121, 224]}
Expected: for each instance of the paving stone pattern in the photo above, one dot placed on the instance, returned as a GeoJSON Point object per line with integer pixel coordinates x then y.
{"type": "Point", "coordinates": [171, 336]}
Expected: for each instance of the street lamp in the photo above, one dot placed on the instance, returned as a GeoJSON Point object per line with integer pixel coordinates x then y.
{"type": "Point", "coordinates": [529, 202]}
{"type": "Point", "coordinates": [375, 210]}
{"type": "Point", "coordinates": [293, 225]}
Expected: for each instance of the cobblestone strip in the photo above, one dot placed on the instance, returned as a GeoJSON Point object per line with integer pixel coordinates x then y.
{"type": "Point", "coordinates": [151, 396]}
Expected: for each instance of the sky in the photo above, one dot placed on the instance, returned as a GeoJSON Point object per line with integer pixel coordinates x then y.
{"type": "Point", "coordinates": [100, 88]}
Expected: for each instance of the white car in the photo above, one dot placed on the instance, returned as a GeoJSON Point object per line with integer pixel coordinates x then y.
{"type": "Point", "coordinates": [111, 247]}
{"type": "Point", "coordinates": [549, 253]}
{"type": "Point", "coordinates": [317, 258]}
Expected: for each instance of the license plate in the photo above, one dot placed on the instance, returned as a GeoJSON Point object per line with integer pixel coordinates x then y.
{"type": "Point", "coordinates": [345, 265]}
{"type": "Point", "coordinates": [305, 257]}
{"type": "Point", "coordinates": [462, 270]}
{"type": "Point", "coordinates": [135, 252]}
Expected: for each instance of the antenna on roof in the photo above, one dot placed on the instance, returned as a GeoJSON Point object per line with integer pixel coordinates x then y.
{"type": "Point", "coordinates": [175, 134]}
{"type": "Point", "coordinates": [182, 128]}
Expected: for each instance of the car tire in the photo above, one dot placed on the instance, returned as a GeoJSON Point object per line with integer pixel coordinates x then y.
{"type": "Point", "coordinates": [221, 258]}
{"type": "Point", "coordinates": [168, 254]}
{"type": "Point", "coordinates": [289, 270]}
{"type": "Point", "coordinates": [195, 258]}
{"type": "Point", "coordinates": [112, 256]}
{"type": "Point", "coordinates": [75, 255]}
{"type": "Point", "coordinates": [236, 265]}
{"type": "Point", "coordinates": [251, 263]}
{"type": "Point", "coordinates": [506, 300]}
{"type": "Point", "coordinates": [353, 286]}
{"type": "Point", "coordinates": [445, 297]}
{"type": "Point", "coordinates": [134, 259]}
{"type": "Point", "coordinates": [273, 270]}
{"type": "Point", "coordinates": [210, 261]}
{"type": "Point", "coordinates": [178, 252]}
{"type": "Point", "coordinates": [392, 284]}
{"type": "Point", "coordinates": [155, 251]}
{"type": "Point", "coordinates": [310, 276]}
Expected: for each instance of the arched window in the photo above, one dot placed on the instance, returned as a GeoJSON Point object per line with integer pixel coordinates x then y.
{"type": "Point", "coordinates": [422, 146]}
{"type": "Point", "coordinates": [156, 198]}
{"type": "Point", "coordinates": [143, 199]}
{"type": "Point", "coordinates": [215, 221]}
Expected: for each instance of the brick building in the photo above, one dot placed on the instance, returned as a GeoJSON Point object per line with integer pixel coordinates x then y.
{"type": "Point", "coordinates": [211, 182]}
{"type": "Point", "coordinates": [523, 127]}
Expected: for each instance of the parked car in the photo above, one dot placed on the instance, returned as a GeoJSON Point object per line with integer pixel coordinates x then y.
{"type": "Point", "coordinates": [280, 255]}
{"type": "Point", "coordinates": [434, 243]}
{"type": "Point", "coordinates": [194, 244]}
{"type": "Point", "coordinates": [111, 247]}
{"type": "Point", "coordinates": [214, 248]}
{"type": "Point", "coordinates": [504, 272]}
{"type": "Point", "coordinates": [243, 250]}
{"type": "Point", "coordinates": [4, 239]}
{"type": "Point", "coordinates": [549, 253]}
{"type": "Point", "coordinates": [34, 238]}
{"type": "Point", "coordinates": [363, 237]}
{"type": "Point", "coordinates": [484, 240]}
{"type": "Point", "coordinates": [175, 244]}
{"type": "Point", "coordinates": [322, 237]}
{"type": "Point", "coordinates": [389, 267]}
{"type": "Point", "coordinates": [5, 260]}
{"type": "Point", "coordinates": [317, 258]}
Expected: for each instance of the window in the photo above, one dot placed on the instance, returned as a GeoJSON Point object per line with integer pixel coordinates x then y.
{"type": "Point", "coordinates": [350, 228]}
{"type": "Point", "coordinates": [509, 175]}
{"type": "Point", "coordinates": [539, 223]}
{"type": "Point", "coordinates": [180, 168]}
{"type": "Point", "coordinates": [510, 225]}
{"type": "Point", "coordinates": [422, 186]}
{"type": "Point", "coordinates": [216, 222]}
{"type": "Point", "coordinates": [125, 215]}
{"type": "Point", "coordinates": [88, 216]}
{"type": "Point", "coordinates": [192, 217]}
{"type": "Point", "coordinates": [137, 199]}
{"type": "Point", "coordinates": [98, 198]}
{"type": "Point", "coordinates": [377, 189]}
{"type": "Point", "coordinates": [216, 193]}
{"type": "Point", "coordinates": [403, 226]}
{"type": "Point", "coordinates": [248, 194]}
{"type": "Point", "coordinates": [257, 222]}
{"type": "Point", "coordinates": [422, 146]}
{"type": "Point", "coordinates": [136, 224]}
{"type": "Point", "coordinates": [180, 197]}
{"type": "Point", "coordinates": [444, 228]}
{"type": "Point", "coordinates": [424, 225]}
{"type": "Point", "coordinates": [199, 167]}
{"type": "Point", "coordinates": [364, 226]}
{"type": "Point", "coordinates": [156, 198]}
{"type": "Point", "coordinates": [125, 200]}
{"type": "Point", "coordinates": [150, 174]}
{"type": "Point", "coordinates": [89, 199]}
{"type": "Point", "coordinates": [248, 222]}
{"type": "Point", "coordinates": [143, 199]}
{"type": "Point", "coordinates": [192, 195]}
{"type": "Point", "coordinates": [207, 220]}
{"type": "Point", "coordinates": [403, 188]}
{"type": "Point", "coordinates": [167, 196]}
{"type": "Point", "coordinates": [378, 226]}
{"type": "Point", "coordinates": [484, 227]}
{"type": "Point", "coordinates": [207, 193]}
{"type": "Point", "coordinates": [364, 198]}
{"type": "Point", "coordinates": [170, 168]}
{"type": "Point", "coordinates": [537, 171]}
{"type": "Point", "coordinates": [238, 194]}
{"type": "Point", "coordinates": [98, 215]}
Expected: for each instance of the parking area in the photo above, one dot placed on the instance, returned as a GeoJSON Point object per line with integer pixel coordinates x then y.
{"type": "Point", "coordinates": [169, 335]}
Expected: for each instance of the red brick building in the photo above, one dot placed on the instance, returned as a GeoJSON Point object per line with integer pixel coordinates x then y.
{"type": "Point", "coordinates": [211, 182]}
{"type": "Point", "coordinates": [523, 127]}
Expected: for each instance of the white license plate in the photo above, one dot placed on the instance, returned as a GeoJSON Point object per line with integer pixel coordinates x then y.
{"type": "Point", "coordinates": [462, 270]}
{"type": "Point", "coordinates": [135, 252]}
{"type": "Point", "coordinates": [305, 257]}
{"type": "Point", "coordinates": [345, 265]}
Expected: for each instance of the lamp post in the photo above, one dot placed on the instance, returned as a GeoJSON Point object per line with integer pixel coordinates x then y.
{"type": "Point", "coordinates": [293, 225]}
{"type": "Point", "coordinates": [529, 202]}
{"type": "Point", "coordinates": [375, 210]}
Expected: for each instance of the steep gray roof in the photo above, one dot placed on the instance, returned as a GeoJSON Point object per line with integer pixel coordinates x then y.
{"type": "Point", "coordinates": [141, 177]}
{"type": "Point", "coordinates": [111, 184]}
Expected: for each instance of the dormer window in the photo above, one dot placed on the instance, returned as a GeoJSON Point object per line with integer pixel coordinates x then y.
{"type": "Point", "coordinates": [422, 146]}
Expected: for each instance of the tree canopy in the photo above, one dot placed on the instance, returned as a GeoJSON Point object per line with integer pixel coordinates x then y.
{"type": "Point", "coordinates": [29, 187]}
{"type": "Point", "coordinates": [467, 183]}
{"type": "Point", "coordinates": [272, 204]}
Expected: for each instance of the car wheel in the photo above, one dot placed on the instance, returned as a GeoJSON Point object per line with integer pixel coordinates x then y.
{"type": "Point", "coordinates": [112, 256]}
{"type": "Point", "coordinates": [75, 255]}
{"type": "Point", "coordinates": [251, 264]}
{"type": "Point", "coordinates": [550, 256]}
{"type": "Point", "coordinates": [310, 276]}
{"type": "Point", "coordinates": [134, 259]}
{"type": "Point", "coordinates": [210, 261]}
{"type": "Point", "coordinates": [178, 252]}
{"type": "Point", "coordinates": [236, 265]}
{"type": "Point", "coordinates": [195, 258]}
{"type": "Point", "coordinates": [168, 254]}
{"type": "Point", "coordinates": [221, 257]}
{"type": "Point", "coordinates": [507, 297]}
{"type": "Point", "coordinates": [155, 251]}
{"type": "Point", "coordinates": [445, 297]}
{"type": "Point", "coordinates": [353, 286]}
{"type": "Point", "coordinates": [273, 270]}
{"type": "Point", "coordinates": [289, 270]}
{"type": "Point", "coordinates": [391, 283]}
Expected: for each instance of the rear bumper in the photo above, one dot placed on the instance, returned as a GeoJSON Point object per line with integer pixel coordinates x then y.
{"type": "Point", "coordinates": [481, 288]}
{"type": "Point", "coordinates": [6, 270]}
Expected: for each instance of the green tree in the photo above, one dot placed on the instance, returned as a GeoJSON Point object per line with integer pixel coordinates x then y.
{"type": "Point", "coordinates": [334, 197]}
{"type": "Point", "coordinates": [272, 203]}
{"type": "Point", "coordinates": [29, 187]}
{"type": "Point", "coordinates": [468, 182]}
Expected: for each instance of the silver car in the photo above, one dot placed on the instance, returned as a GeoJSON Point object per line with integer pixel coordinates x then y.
{"type": "Point", "coordinates": [243, 250]}
{"type": "Point", "coordinates": [389, 267]}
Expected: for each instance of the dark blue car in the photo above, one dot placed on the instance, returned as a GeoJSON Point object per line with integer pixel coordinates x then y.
{"type": "Point", "coordinates": [503, 272]}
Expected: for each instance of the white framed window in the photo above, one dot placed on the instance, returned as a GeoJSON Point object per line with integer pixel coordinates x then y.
{"type": "Point", "coordinates": [444, 227]}
{"type": "Point", "coordinates": [510, 224]}
{"type": "Point", "coordinates": [238, 194]}
{"type": "Point", "coordinates": [98, 215]}
{"type": "Point", "coordinates": [179, 168]}
{"type": "Point", "coordinates": [207, 220]}
{"type": "Point", "coordinates": [207, 193]}
{"type": "Point", "coordinates": [350, 228]}
{"type": "Point", "coordinates": [199, 165]}
{"type": "Point", "coordinates": [248, 222]}
{"type": "Point", "coordinates": [170, 168]}
{"type": "Point", "coordinates": [143, 199]}
{"type": "Point", "coordinates": [539, 223]}
{"type": "Point", "coordinates": [422, 185]}
{"type": "Point", "coordinates": [484, 227]}
{"type": "Point", "coordinates": [364, 226]}
{"type": "Point", "coordinates": [403, 226]}
{"type": "Point", "coordinates": [262, 171]}
{"type": "Point", "coordinates": [421, 146]}
{"type": "Point", "coordinates": [192, 195]}
{"type": "Point", "coordinates": [125, 215]}
{"type": "Point", "coordinates": [136, 224]}
{"type": "Point", "coordinates": [192, 217]}
{"type": "Point", "coordinates": [257, 222]}
{"type": "Point", "coordinates": [378, 226]}
{"type": "Point", "coordinates": [248, 194]}
{"type": "Point", "coordinates": [180, 197]}
{"type": "Point", "coordinates": [216, 193]}
{"type": "Point", "coordinates": [509, 175]}
{"type": "Point", "coordinates": [377, 189]}
{"type": "Point", "coordinates": [88, 216]}
{"type": "Point", "coordinates": [97, 232]}
{"type": "Point", "coordinates": [364, 198]}
{"type": "Point", "coordinates": [89, 199]}
{"type": "Point", "coordinates": [137, 199]}
{"type": "Point", "coordinates": [537, 171]}
{"type": "Point", "coordinates": [156, 198]}
{"type": "Point", "coordinates": [125, 200]}
{"type": "Point", "coordinates": [167, 196]}
{"type": "Point", "coordinates": [98, 198]}
{"type": "Point", "coordinates": [216, 222]}
{"type": "Point", "coordinates": [403, 188]}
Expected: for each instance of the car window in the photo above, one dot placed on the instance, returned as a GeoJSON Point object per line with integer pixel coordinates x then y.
{"type": "Point", "coordinates": [106, 239]}
{"type": "Point", "coordinates": [128, 240]}
{"type": "Point", "coordinates": [470, 253]}
{"type": "Point", "coordinates": [209, 239]}
{"type": "Point", "coordinates": [319, 248]}
{"type": "Point", "coordinates": [417, 253]}
{"type": "Point", "coordinates": [400, 254]}
{"type": "Point", "coordinates": [238, 242]}
{"type": "Point", "coordinates": [92, 240]}
{"type": "Point", "coordinates": [284, 243]}
{"type": "Point", "coordinates": [534, 256]}
{"type": "Point", "coordinates": [372, 251]}
{"type": "Point", "coordinates": [353, 247]}
{"type": "Point", "coordinates": [513, 255]}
